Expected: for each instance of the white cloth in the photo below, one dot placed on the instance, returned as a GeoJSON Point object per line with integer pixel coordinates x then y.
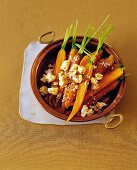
{"type": "Point", "coordinates": [29, 107]}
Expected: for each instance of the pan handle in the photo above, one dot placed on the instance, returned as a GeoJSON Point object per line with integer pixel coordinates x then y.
{"type": "Point", "coordinates": [110, 118]}
{"type": "Point", "coordinates": [52, 35]}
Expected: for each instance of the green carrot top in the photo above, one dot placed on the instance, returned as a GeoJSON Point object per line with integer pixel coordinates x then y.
{"type": "Point", "coordinates": [67, 34]}
{"type": "Point", "coordinates": [74, 34]}
{"type": "Point", "coordinates": [86, 39]}
{"type": "Point", "coordinates": [103, 37]}
{"type": "Point", "coordinates": [84, 42]}
{"type": "Point", "coordinates": [101, 40]}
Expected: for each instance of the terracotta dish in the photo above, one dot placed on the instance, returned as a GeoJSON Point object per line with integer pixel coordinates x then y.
{"type": "Point", "coordinates": [48, 55]}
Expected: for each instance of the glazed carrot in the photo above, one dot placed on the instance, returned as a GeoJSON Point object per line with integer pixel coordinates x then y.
{"type": "Point", "coordinates": [72, 90]}
{"type": "Point", "coordinates": [76, 59]}
{"type": "Point", "coordinates": [82, 89]}
{"type": "Point", "coordinates": [98, 56]}
{"type": "Point", "coordinates": [104, 64]}
{"type": "Point", "coordinates": [84, 85]}
{"type": "Point", "coordinates": [102, 93]}
{"type": "Point", "coordinates": [98, 53]}
{"type": "Point", "coordinates": [70, 96]}
{"type": "Point", "coordinates": [73, 50]}
{"type": "Point", "coordinates": [61, 56]}
{"type": "Point", "coordinates": [89, 70]}
{"type": "Point", "coordinates": [110, 78]}
{"type": "Point", "coordinates": [72, 53]}
{"type": "Point", "coordinates": [86, 58]}
{"type": "Point", "coordinates": [95, 56]}
{"type": "Point", "coordinates": [79, 99]}
{"type": "Point", "coordinates": [106, 81]}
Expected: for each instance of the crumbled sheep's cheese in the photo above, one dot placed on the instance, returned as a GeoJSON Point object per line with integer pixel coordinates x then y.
{"type": "Point", "coordinates": [72, 73]}
{"type": "Point", "coordinates": [74, 68]}
{"type": "Point", "coordinates": [48, 71]}
{"type": "Point", "coordinates": [95, 87]}
{"type": "Point", "coordinates": [50, 66]}
{"type": "Point", "coordinates": [61, 74]}
{"type": "Point", "coordinates": [48, 78]}
{"type": "Point", "coordinates": [55, 83]}
{"type": "Point", "coordinates": [98, 76]}
{"type": "Point", "coordinates": [43, 79]}
{"type": "Point", "coordinates": [99, 106]}
{"type": "Point", "coordinates": [53, 90]}
{"type": "Point", "coordinates": [43, 90]}
{"type": "Point", "coordinates": [77, 78]}
{"type": "Point", "coordinates": [65, 65]}
{"type": "Point", "coordinates": [94, 81]}
{"type": "Point", "coordinates": [86, 111]}
{"type": "Point", "coordinates": [63, 80]}
{"type": "Point", "coordinates": [81, 69]}
{"type": "Point", "coordinates": [90, 111]}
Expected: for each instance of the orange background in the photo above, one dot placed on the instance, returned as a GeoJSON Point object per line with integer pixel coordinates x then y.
{"type": "Point", "coordinates": [26, 146]}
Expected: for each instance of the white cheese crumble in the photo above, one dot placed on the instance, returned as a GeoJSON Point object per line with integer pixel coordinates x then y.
{"type": "Point", "coordinates": [63, 80]}
{"type": "Point", "coordinates": [49, 71]}
{"type": "Point", "coordinates": [50, 77]}
{"type": "Point", "coordinates": [94, 81]}
{"type": "Point", "coordinates": [50, 66]}
{"type": "Point", "coordinates": [77, 78]}
{"type": "Point", "coordinates": [53, 90]}
{"type": "Point", "coordinates": [86, 111]}
{"type": "Point", "coordinates": [95, 87]}
{"type": "Point", "coordinates": [99, 106]}
{"type": "Point", "coordinates": [55, 83]}
{"type": "Point", "coordinates": [43, 79]}
{"type": "Point", "coordinates": [81, 69]}
{"type": "Point", "coordinates": [61, 74]}
{"type": "Point", "coordinates": [74, 68]}
{"type": "Point", "coordinates": [43, 90]}
{"type": "Point", "coordinates": [65, 65]}
{"type": "Point", "coordinates": [72, 73]}
{"type": "Point", "coordinates": [98, 76]}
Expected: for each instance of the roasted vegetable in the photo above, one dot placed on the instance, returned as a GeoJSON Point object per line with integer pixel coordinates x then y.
{"type": "Point", "coordinates": [106, 81]}
{"type": "Point", "coordinates": [89, 66]}
{"type": "Point", "coordinates": [101, 93]}
{"type": "Point", "coordinates": [73, 50]}
{"type": "Point", "coordinates": [70, 96]}
{"type": "Point", "coordinates": [61, 56]}
{"type": "Point", "coordinates": [81, 80]}
{"type": "Point", "coordinates": [104, 65]}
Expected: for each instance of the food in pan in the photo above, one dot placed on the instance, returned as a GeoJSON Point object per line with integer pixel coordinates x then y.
{"type": "Point", "coordinates": [80, 81]}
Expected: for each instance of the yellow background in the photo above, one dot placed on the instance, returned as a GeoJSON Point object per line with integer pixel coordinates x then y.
{"type": "Point", "coordinates": [27, 146]}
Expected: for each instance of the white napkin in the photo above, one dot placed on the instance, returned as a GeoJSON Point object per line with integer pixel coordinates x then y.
{"type": "Point", "coordinates": [29, 107]}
